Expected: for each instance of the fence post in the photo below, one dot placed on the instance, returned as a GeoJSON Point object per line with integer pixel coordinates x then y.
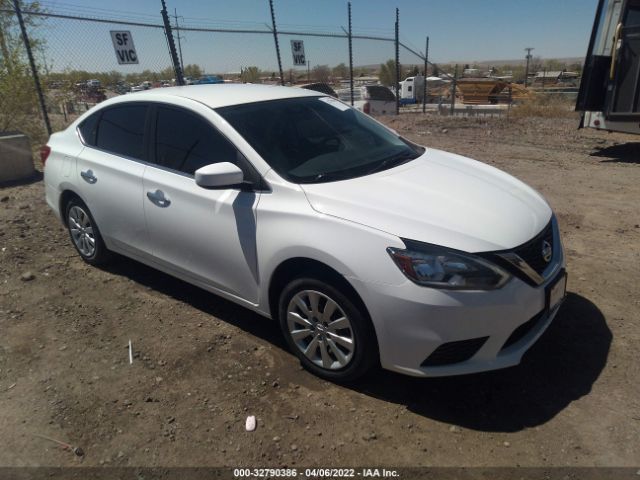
{"type": "Point", "coordinates": [350, 56]}
{"type": "Point", "coordinates": [424, 87]}
{"type": "Point", "coordinates": [172, 45]}
{"type": "Point", "coordinates": [453, 90]}
{"type": "Point", "coordinates": [275, 38]}
{"type": "Point", "coordinates": [32, 63]}
{"type": "Point", "coordinates": [175, 11]}
{"type": "Point", "coordinates": [397, 82]}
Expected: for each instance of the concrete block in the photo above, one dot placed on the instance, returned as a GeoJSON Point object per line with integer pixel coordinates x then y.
{"type": "Point", "coordinates": [16, 160]}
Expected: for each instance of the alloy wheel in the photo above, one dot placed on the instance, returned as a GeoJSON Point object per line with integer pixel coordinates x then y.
{"type": "Point", "coordinates": [82, 231]}
{"type": "Point", "coordinates": [320, 329]}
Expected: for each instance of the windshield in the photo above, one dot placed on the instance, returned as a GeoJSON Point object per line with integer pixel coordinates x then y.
{"type": "Point", "coordinates": [318, 139]}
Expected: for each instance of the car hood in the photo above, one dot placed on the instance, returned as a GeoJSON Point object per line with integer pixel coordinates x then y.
{"type": "Point", "coordinates": [439, 198]}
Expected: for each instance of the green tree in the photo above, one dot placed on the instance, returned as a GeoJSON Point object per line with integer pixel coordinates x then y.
{"type": "Point", "coordinates": [340, 70]}
{"type": "Point", "coordinates": [193, 71]}
{"type": "Point", "coordinates": [387, 73]}
{"type": "Point", "coordinates": [19, 108]}
{"type": "Point", "coordinates": [250, 75]}
{"type": "Point", "coordinates": [321, 73]}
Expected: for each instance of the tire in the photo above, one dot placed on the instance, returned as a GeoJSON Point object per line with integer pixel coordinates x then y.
{"type": "Point", "coordinates": [302, 308]}
{"type": "Point", "coordinates": [84, 233]}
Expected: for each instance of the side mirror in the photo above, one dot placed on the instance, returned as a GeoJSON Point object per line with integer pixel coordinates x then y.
{"type": "Point", "coordinates": [219, 175]}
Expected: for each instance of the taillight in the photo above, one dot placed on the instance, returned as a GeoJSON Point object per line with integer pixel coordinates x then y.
{"type": "Point", "coordinates": [366, 108]}
{"type": "Point", "coordinates": [45, 150]}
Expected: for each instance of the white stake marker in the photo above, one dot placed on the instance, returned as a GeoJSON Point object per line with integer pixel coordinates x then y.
{"type": "Point", "coordinates": [130, 354]}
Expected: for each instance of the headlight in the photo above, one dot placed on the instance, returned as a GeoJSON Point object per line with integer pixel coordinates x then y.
{"type": "Point", "coordinates": [438, 267]}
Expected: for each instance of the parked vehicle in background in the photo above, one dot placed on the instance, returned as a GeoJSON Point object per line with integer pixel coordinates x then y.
{"type": "Point", "coordinates": [370, 99]}
{"type": "Point", "coordinates": [208, 80]}
{"type": "Point", "coordinates": [610, 86]}
{"type": "Point", "coordinates": [412, 90]}
{"type": "Point", "coordinates": [364, 246]}
{"type": "Point", "coordinates": [93, 83]}
{"type": "Point", "coordinates": [137, 88]}
{"type": "Point", "coordinates": [320, 87]}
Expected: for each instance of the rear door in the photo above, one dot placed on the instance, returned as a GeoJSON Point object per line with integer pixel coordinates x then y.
{"type": "Point", "coordinates": [110, 171]}
{"type": "Point", "coordinates": [206, 235]}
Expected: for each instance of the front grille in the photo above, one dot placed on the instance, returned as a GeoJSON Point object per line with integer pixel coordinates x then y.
{"type": "Point", "coordinates": [520, 332]}
{"type": "Point", "coordinates": [531, 252]}
{"type": "Point", "coordinates": [454, 352]}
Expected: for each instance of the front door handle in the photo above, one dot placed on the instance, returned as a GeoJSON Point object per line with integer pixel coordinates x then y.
{"type": "Point", "coordinates": [89, 177]}
{"type": "Point", "coordinates": [158, 198]}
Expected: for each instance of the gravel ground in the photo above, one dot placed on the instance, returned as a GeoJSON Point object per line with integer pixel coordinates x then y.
{"type": "Point", "coordinates": [202, 364]}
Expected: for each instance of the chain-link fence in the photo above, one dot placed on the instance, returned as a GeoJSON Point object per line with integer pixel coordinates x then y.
{"type": "Point", "coordinates": [78, 66]}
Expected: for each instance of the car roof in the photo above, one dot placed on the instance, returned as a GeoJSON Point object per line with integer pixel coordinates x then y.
{"type": "Point", "coordinates": [221, 95]}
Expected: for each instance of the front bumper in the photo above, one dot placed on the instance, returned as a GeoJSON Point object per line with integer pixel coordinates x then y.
{"type": "Point", "coordinates": [491, 329]}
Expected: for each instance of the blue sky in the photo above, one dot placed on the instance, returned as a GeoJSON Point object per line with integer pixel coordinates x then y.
{"type": "Point", "coordinates": [459, 30]}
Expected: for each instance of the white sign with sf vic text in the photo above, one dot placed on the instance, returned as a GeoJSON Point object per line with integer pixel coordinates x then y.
{"type": "Point", "coordinates": [297, 50]}
{"type": "Point", "coordinates": [123, 45]}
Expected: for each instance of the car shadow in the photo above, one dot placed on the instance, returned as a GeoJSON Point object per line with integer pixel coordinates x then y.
{"type": "Point", "coordinates": [559, 369]}
{"type": "Point", "coordinates": [621, 153]}
{"type": "Point", "coordinates": [209, 303]}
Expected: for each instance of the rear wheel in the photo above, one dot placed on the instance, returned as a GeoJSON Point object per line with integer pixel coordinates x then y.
{"type": "Point", "coordinates": [330, 335]}
{"type": "Point", "coordinates": [84, 233]}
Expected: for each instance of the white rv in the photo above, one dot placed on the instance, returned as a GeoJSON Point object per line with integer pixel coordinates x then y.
{"type": "Point", "coordinates": [412, 89]}
{"type": "Point", "coordinates": [610, 89]}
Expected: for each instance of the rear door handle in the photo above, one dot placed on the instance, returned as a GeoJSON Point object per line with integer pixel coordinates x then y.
{"type": "Point", "coordinates": [89, 177]}
{"type": "Point", "coordinates": [158, 198]}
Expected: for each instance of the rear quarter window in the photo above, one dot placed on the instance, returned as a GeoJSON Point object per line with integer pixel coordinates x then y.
{"type": "Point", "coordinates": [121, 130]}
{"type": "Point", "coordinates": [88, 129]}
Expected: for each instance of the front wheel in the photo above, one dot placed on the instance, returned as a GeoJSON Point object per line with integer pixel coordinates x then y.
{"type": "Point", "coordinates": [330, 335]}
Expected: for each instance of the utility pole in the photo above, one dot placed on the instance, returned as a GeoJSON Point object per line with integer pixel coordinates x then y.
{"type": "Point", "coordinates": [424, 87]}
{"type": "Point", "coordinates": [175, 11]}
{"type": "Point", "coordinates": [526, 71]}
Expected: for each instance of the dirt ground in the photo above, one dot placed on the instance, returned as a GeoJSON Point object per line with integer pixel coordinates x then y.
{"type": "Point", "coordinates": [203, 364]}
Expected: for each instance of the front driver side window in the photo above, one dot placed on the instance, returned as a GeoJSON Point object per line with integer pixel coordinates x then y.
{"type": "Point", "coordinates": [185, 142]}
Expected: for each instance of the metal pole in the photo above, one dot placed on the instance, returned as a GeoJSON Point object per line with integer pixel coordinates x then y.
{"type": "Point", "coordinates": [275, 37]}
{"type": "Point", "coordinates": [453, 90]}
{"type": "Point", "coordinates": [424, 88]}
{"type": "Point", "coordinates": [526, 71]}
{"type": "Point", "coordinates": [175, 11]}
{"type": "Point", "coordinates": [397, 61]}
{"type": "Point", "coordinates": [32, 63]}
{"type": "Point", "coordinates": [350, 56]}
{"type": "Point", "coordinates": [172, 45]}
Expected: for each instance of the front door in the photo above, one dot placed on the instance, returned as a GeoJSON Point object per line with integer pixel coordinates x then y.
{"type": "Point", "coordinates": [206, 235]}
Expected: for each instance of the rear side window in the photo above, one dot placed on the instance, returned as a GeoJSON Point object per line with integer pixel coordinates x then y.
{"type": "Point", "coordinates": [121, 130]}
{"type": "Point", "coordinates": [186, 142]}
{"type": "Point", "coordinates": [89, 128]}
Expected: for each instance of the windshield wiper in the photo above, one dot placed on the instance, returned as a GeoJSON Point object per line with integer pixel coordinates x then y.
{"type": "Point", "coordinates": [400, 158]}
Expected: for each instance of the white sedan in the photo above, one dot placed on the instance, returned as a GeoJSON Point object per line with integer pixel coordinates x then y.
{"type": "Point", "coordinates": [366, 248]}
